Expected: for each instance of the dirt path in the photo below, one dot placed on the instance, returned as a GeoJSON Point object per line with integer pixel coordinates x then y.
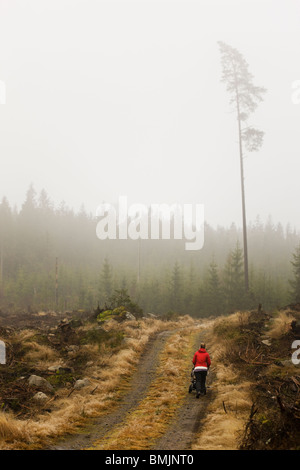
{"type": "Point", "coordinates": [138, 387]}
{"type": "Point", "coordinates": [187, 421]}
{"type": "Point", "coordinates": [182, 427]}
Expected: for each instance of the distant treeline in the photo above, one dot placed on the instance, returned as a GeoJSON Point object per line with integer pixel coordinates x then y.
{"type": "Point", "coordinates": [51, 258]}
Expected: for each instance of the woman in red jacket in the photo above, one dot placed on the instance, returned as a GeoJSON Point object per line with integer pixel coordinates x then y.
{"type": "Point", "coordinates": [202, 362]}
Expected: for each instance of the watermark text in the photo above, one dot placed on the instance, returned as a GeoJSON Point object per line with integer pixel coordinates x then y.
{"type": "Point", "coordinates": [296, 354]}
{"type": "Point", "coordinates": [2, 352]}
{"type": "Point", "coordinates": [157, 221]}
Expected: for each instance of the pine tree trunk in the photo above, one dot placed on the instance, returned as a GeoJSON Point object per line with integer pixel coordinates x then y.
{"type": "Point", "coordinates": [245, 242]}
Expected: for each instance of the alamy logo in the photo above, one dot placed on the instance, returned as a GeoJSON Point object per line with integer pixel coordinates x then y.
{"type": "Point", "coordinates": [157, 221]}
{"type": "Point", "coordinates": [295, 358]}
{"type": "Point", "coordinates": [2, 92]}
{"type": "Point", "coordinates": [2, 353]}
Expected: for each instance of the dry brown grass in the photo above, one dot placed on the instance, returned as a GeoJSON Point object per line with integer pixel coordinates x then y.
{"type": "Point", "coordinates": [235, 320]}
{"type": "Point", "coordinates": [12, 429]}
{"type": "Point", "coordinates": [149, 421]}
{"type": "Point", "coordinates": [223, 430]}
{"type": "Point", "coordinates": [24, 335]}
{"type": "Point", "coordinates": [281, 324]}
{"type": "Point", "coordinates": [38, 353]}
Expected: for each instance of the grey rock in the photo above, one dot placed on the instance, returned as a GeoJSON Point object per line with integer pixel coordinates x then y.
{"type": "Point", "coordinates": [129, 316]}
{"type": "Point", "coordinates": [40, 397]}
{"type": "Point", "coordinates": [37, 381]}
{"type": "Point", "coordinates": [150, 315]}
{"type": "Point", "coordinates": [53, 368]}
{"type": "Point", "coordinates": [81, 384]}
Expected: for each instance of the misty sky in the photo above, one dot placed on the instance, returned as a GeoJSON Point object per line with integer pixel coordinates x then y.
{"type": "Point", "coordinates": [110, 98]}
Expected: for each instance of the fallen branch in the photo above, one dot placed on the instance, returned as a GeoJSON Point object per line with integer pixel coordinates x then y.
{"type": "Point", "coordinates": [71, 392]}
{"type": "Point", "coordinates": [94, 390]}
{"type": "Point", "coordinates": [50, 400]}
{"type": "Point", "coordinates": [254, 362]}
{"type": "Point", "coordinates": [253, 411]}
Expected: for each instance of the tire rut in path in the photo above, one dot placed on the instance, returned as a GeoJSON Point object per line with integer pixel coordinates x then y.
{"type": "Point", "coordinates": [138, 387]}
{"type": "Point", "coordinates": [187, 422]}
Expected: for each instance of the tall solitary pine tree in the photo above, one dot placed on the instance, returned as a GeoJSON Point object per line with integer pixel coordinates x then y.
{"type": "Point", "coordinates": [244, 96]}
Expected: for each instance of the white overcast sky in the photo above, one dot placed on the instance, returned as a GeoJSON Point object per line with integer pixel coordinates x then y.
{"type": "Point", "coordinates": [110, 98]}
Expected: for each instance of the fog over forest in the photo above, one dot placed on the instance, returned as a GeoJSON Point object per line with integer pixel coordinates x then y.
{"type": "Point", "coordinates": [103, 99]}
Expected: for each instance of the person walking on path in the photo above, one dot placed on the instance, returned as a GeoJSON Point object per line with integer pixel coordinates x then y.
{"type": "Point", "coordinates": [202, 362]}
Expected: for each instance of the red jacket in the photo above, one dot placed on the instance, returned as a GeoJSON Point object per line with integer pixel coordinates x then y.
{"type": "Point", "coordinates": [201, 359]}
